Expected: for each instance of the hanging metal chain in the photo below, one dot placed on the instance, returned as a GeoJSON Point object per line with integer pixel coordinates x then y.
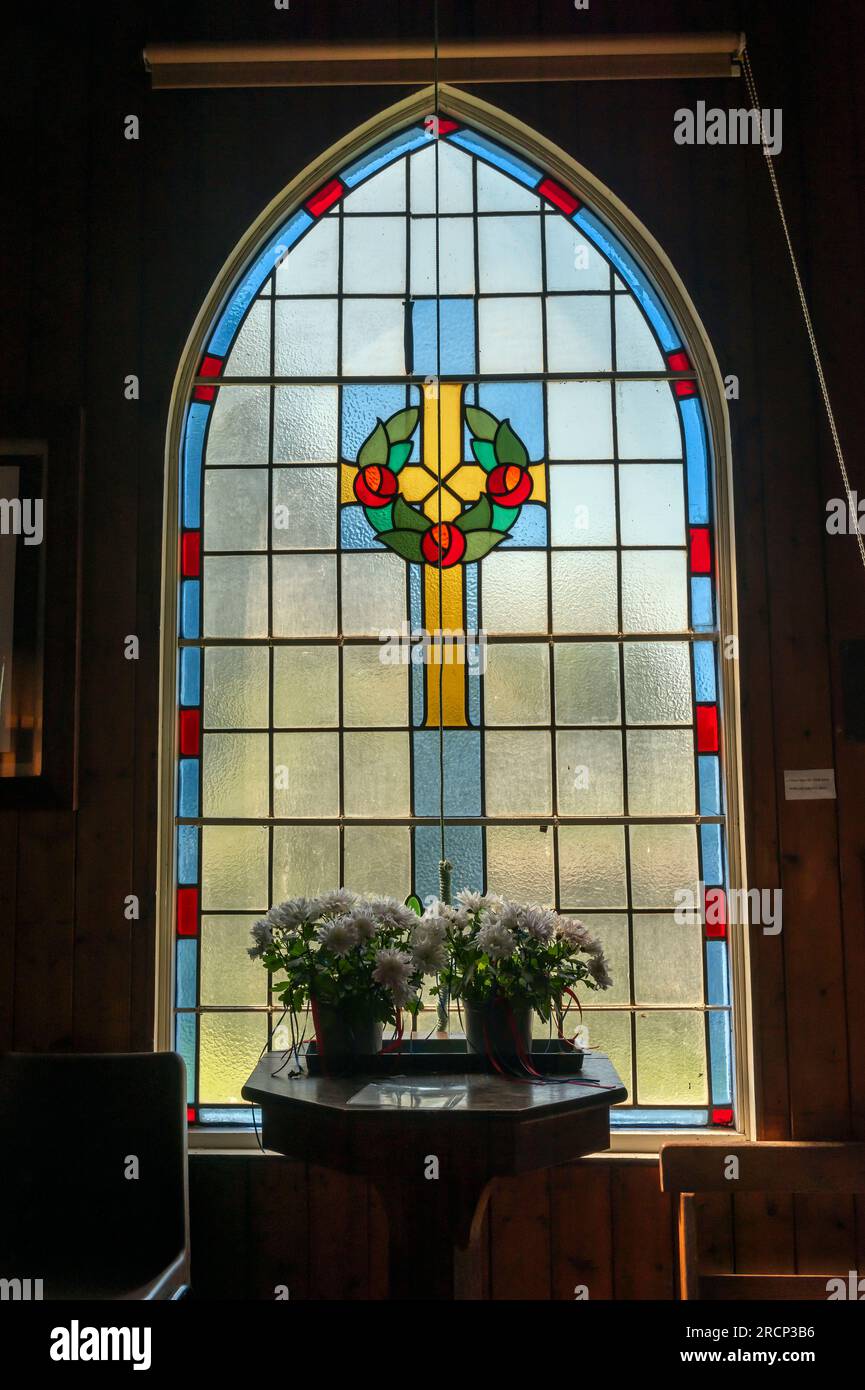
{"type": "Point", "coordinates": [806, 314]}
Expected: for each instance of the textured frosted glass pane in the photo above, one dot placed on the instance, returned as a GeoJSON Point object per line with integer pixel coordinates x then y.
{"type": "Point", "coordinates": [589, 771]}
{"type": "Point", "coordinates": [234, 868]}
{"type": "Point", "coordinates": [235, 509]}
{"type": "Point", "coordinates": [305, 775]}
{"type": "Point", "coordinates": [305, 686]}
{"type": "Point", "coordinates": [304, 508]}
{"type": "Point", "coordinates": [518, 773]}
{"type": "Point", "coordinates": [235, 687]}
{"type": "Point", "coordinates": [636, 348]}
{"type": "Point", "coordinates": [517, 683]}
{"type": "Point", "coordinates": [311, 266]}
{"type": "Point", "coordinates": [384, 192]}
{"type": "Point", "coordinates": [668, 960]}
{"type": "Point", "coordinates": [647, 421]}
{"type": "Point", "coordinates": [372, 691]}
{"type": "Point", "coordinates": [373, 337]}
{"type": "Point", "coordinates": [585, 595]}
{"type": "Point", "coordinates": [250, 355]}
{"type": "Point", "coordinates": [304, 424]}
{"type": "Point", "coordinates": [306, 337]}
{"type": "Point", "coordinates": [661, 772]}
{"type": "Point", "coordinates": [510, 335]}
{"type": "Point", "coordinates": [455, 192]}
{"type": "Point", "coordinates": [228, 976]}
{"type": "Point", "coordinates": [514, 592]}
{"type": "Point", "coordinates": [497, 193]}
{"type": "Point", "coordinates": [652, 504]}
{"type": "Point", "coordinates": [587, 683]}
{"type": "Point", "coordinates": [611, 929]}
{"type": "Point", "coordinates": [373, 255]}
{"type": "Point", "coordinates": [654, 591]}
{"type": "Point", "coordinates": [610, 1031]}
{"type": "Point", "coordinates": [671, 1059]}
{"type": "Point", "coordinates": [376, 774]}
{"type": "Point", "coordinates": [520, 863]}
{"type": "Point", "coordinates": [578, 333]}
{"type": "Point", "coordinates": [582, 504]}
{"type": "Point", "coordinates": [235, 596]}
{"type": "Point", "coordinates": [663, 860]}
{"type": "Point", "coordinates": [456, 256]}
{"type": "Point", "coordinates": [235, 776]}
{"type": "Point", "coordinates": [592, 866]}
{"type": "Point", "coordinates": [658, 683]}
{"type": "Point", "coordinates": [580, 420]}
{"type": "Point", "coordinates": [572, 262]}
{"type": "Point", "coordinates": [230, 1048]}
{"type": "Point", "coordinates": [305, 860]}
{"type": "Point", "coordinates": [378, 860]}
{"type": "Point", "coordinates": [304, 595]}
{"type": "Point", "coordinates": [373, 594]}
{"type": "Point", "coordinates": [509, 254]}
{"type": "Point", "coordinates": [239, 427]}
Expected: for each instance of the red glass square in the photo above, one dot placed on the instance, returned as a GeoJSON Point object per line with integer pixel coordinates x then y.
{"type": "Point", "coordinates": [204, 393]}
{"type": "Point", "coordinates": [685, 388]}
{"type": "Point", "coordinates": [187, 912]}
{"type": "Point", "coordinates": [707, 728]}
{"type": "Point", "coordinates": [701, 550]}
{"type": "Point", "coordinates": [715, 907]}
{"type": "Point", "coordinates": [447, 126]}
{"type": "Point", "coordinates": [560, 197]}
{"type": "Point", "coordinates": [325, 198]}
{"type": "Point", "coordinates": [190, 554]}
{"type": "Point", "coordinates": [190, 732]}
{"type": "Point", "coordinates": [190, 1114]}
{"type": "Point", "coordinates": [210, 366]}
{"type": "Point", "coordinates": [679, 362]}
{"type": "Point", "coordinates": [722, 1115]}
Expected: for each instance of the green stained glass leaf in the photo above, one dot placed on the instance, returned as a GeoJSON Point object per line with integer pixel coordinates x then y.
{"type": "Point", "coordinates": [509, 447]}
{"type": "Point", "coordinates": [381, 518]}
{"type": "Point", "coordinates": [402, 425]}
{"type": "Point", "coordinates": [485, 454]}
{"type": "Point", "coordinates": [504, 517]}
{"type": "Point", "coordinates": [398, 455]}
{"type": "Point", "coordinates": [414, 902]}
{"type": "Point", "coordinates": [477, 518]}
{"type": "Point", "coordinates": [405, 518]}
{"type": "Point", "coordinates": [480, 543]}
{"type": "Point", "coordinates": [375, 448]}
{"type": "Point", "coordinates": [481, 423]}
{"type": "Point", "coordinates": [405, 543]}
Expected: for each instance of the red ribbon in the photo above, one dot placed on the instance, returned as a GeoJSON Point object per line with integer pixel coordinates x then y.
{"type": "Point", "coordinates": [395, 1044]}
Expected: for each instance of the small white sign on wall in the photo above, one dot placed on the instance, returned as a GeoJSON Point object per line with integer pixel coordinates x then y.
{"type": "Point", "coordinates": [813, 785]}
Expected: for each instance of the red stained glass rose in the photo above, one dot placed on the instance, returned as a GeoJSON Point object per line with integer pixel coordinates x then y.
{"type": "Point", "coordinates": [375, 486]}
{"type": "Point", "coordinates": [510, 485]}
{"type": "Point", "coordinates": [443, 545]}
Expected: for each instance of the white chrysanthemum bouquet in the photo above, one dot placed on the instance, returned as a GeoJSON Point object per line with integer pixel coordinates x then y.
{"type": "Point", "coordinates": [363, 957]}
{"type": "Point", "coordinates": [526, 956]}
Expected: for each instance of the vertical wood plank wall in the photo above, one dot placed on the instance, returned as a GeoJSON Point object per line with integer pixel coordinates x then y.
{"type": "Point", "coordinates": [111, 246]}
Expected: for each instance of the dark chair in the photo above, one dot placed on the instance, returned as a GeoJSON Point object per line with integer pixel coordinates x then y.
{"type": "Point", "coordinates": [73, 1129]}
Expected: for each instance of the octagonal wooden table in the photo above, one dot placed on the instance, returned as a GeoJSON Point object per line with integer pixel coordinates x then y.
{"type": "Point", "coordinates": [432, 1146]}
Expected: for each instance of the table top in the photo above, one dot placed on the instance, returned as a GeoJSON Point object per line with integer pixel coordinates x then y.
{"type": "Point", "coordinates": [456, 1096]}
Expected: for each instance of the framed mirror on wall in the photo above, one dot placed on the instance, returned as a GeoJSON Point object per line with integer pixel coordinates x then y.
{"type": "Point", "coordinates": [40, 485]}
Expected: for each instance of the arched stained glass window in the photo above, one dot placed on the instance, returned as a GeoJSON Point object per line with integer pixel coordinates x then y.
{"type": "Point", "coordinates": [444, 395]}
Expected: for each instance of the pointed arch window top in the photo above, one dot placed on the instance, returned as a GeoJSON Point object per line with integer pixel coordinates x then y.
{"type": "Point", "coordinates": [395, 147]}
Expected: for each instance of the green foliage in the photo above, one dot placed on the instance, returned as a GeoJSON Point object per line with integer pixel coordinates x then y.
{"type": "Point", "coordinates": [477, 518]}
{"type": "Point", "coordinates": [375, 448]}
{"type": "Point", "coordinates": [405, 543]}
{"type": "Point", "coordinates": [482, 424]}
{"type": "Point", "coordinates": [398, 455]}
{"type": "Point", "coordinates": [406, 518]}
{"type": "Point", "coordinates": [485, 454]}
{"type": "Point", "coordinates": [402, 425]}
{"type": "Point", "coordinates": [480, 543]}
{"type": "Point", "coordinates": [509, 447]}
